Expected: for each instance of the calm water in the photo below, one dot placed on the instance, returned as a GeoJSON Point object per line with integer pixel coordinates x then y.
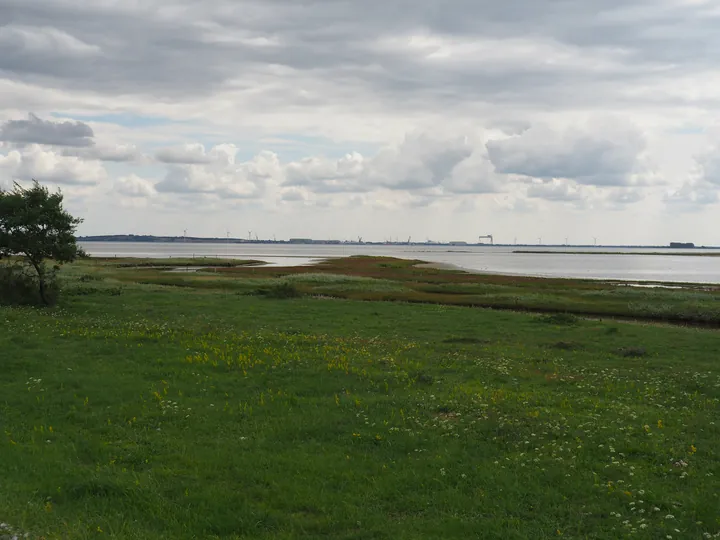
{"type": "Point", "coordinates": [670, 267]}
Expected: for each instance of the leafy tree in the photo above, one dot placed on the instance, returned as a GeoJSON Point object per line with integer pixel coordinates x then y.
{"type": "Point", "coordinates": [35, 226]}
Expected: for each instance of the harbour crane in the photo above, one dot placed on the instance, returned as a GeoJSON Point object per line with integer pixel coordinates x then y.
{"type": "Point", "coordinates": [490, 236]}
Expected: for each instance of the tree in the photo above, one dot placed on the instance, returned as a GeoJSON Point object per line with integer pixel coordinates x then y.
{"type": "Point", "coordinates": [35, 226]}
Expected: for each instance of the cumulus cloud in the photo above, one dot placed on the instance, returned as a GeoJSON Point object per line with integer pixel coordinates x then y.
{"type": "Point", "coordinates": [622, 196]}
{"type": "Point", "coordinates": [606, 156]}
{"type": "Point", "coordinates": [223, 176]}
{"type": "Point", "coordinates": [134, 186]}
{"type": "Point", "coordinates": [557, 190]}
{"type": "Point", "coordinates": [692, 195]}
{"type": "Point", "coordinates": [708, 165]}
{"type": "Point", "coordinates": [419, 162]}
{"type": "Point", "coordinates": [335, 78]}
{"type": "Point", "coordinates": [120, 153]}
{"type": "Point", "coordinates": [34, 130]}
{"type": "Point", "coordinates": [292, 195]}
{"type": "Point", "coordinates": [701, 189]}
{"type": "Point", "coordinates": [33, 162]}
{"type": "Point", "coordinates": [188, 154]}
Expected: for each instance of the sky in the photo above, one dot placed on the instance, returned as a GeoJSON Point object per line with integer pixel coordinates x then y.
{"type": "Point", "coordinates": [383, 119]}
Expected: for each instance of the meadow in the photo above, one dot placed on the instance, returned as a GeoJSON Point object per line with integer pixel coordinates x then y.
{"type": "Point", "coordinates": [258, 403]}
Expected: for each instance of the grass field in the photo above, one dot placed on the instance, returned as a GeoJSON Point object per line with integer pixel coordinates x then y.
{"type": "Point", "coordinates": [156, 405]}
{"type": "Point", "coordinates": [376, 278]}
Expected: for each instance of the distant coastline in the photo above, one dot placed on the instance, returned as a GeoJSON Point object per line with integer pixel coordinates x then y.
{"type": "Point", "coordinates": [645, 254]}
{"type": "Point", "coordinates": [308, 241]}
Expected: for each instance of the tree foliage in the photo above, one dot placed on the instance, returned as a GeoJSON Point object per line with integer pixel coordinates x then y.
{"type": "Point", "coordinates": [35, 227]}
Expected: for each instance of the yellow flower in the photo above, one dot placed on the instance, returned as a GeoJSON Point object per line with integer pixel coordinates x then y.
{"type": "Point", "coordinates": [693, 449]}
{"type": "Point", "coordinates": [660, 424]}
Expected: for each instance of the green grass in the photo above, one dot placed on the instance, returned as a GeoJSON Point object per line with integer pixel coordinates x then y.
{"type": "Point", "coordinates": [156, 411]}
{"type": "Point", "coordinates": [379, 278]}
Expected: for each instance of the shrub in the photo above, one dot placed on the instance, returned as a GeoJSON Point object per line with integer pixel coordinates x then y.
{"type": "Point", "coordinates": [560, 319]}
{"type": "Point", "coordinates": [632, 352]}
{"type": "Point", "coordinates": [280, 291]}
{"type": "Point", "coordinates": [19, 286]}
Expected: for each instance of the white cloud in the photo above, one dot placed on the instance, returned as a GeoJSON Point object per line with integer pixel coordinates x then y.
{"type": "Point", "coordinates": [120, 153]}
{"type": "Point", "coordinates": [420, 162]}
{"type": "Point", "coordinates": [33, 162]}
{"type": "Point", "coordinates": [604, 154]}
{"type": "Point", "coordinates": [222, 176]}
{"type": "Point", "coordinates": [323, 95]}
{"type": "Point", "coordinates": [134, 186]}
{"type": "Point", "coordinates": [188, 154]}
{"type": "Point", "coordinates": [293, 195]}
{"type": "Point", "coordinates": [556, 190]}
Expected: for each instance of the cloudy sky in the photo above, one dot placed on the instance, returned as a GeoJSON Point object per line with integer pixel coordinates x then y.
{"type": "Point", "coordinates": [381, 118]}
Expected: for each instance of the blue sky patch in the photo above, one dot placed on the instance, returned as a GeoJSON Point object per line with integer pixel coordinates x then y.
{"type": "Point", "coordinates": [121, 119]}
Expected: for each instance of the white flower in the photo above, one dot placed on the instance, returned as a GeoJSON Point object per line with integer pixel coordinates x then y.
{"type": "Point", "coordinates": [669, 516]}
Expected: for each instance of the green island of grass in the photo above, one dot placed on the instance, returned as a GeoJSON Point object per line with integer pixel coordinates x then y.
{"type": "Point", "coordinates": [361, 398]}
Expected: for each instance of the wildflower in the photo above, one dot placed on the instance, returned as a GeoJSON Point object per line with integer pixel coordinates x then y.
{"type": "Point", "coordinates": [660, 424]}
{"type": "Point", "coordinates": [693, 449]}
{"type": "Point", "coordinates": [669, 516]}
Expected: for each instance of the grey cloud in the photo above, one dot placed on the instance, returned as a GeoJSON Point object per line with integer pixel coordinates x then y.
{"type": "Point", "coordinates": [34, 130]}
{"type": "Point", "coordinates": [589, 51]}
{"type": "Point", "coordinates": [117, 154]}
{"type": "Point", "coordinates": [557, 191]}
{"type": "Point", "coordinates": [602, 159]}
{"type": "Point", "coordinates": [135, 187]}
{"type": "Point", "coordinates": [191, 154]}
{"type": "Point", "coordinates": [693, 195]}
{"type": "Point", "coordinates": [46, 166]}
{"type": "Point", "coordinates": [292, 195]}
{"type": "Point", "coordinates": [223, 177]}
{"type": "Point", "coordinates": [420, 162]}
{"type": "Point", "coordinates": [709, 165]}
{"type": "Point", "coordinates": [624, 196]}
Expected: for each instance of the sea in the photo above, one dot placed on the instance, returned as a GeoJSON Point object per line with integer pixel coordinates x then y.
{"type": "Point", "coordinates": [635, 264]}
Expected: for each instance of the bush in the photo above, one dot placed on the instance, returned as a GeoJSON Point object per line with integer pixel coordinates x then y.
{"type": "Point", "coordinates": [280, 291]}
{"type": "Point", "coordinates": [560, 319]}
{"type": "Point", "coordinates": [19, 286]}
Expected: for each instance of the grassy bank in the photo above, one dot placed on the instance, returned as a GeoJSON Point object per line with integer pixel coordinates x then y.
{"type": "Point", "coordinates": [377, 278]}
{"type": "Point", "coordinates": [145, 411]}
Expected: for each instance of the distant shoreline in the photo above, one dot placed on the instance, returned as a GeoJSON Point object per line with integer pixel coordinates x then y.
{"type": "Point", "coordinates": [655, 253]}
{"type": "Point", "coordinates": [145, 239]}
